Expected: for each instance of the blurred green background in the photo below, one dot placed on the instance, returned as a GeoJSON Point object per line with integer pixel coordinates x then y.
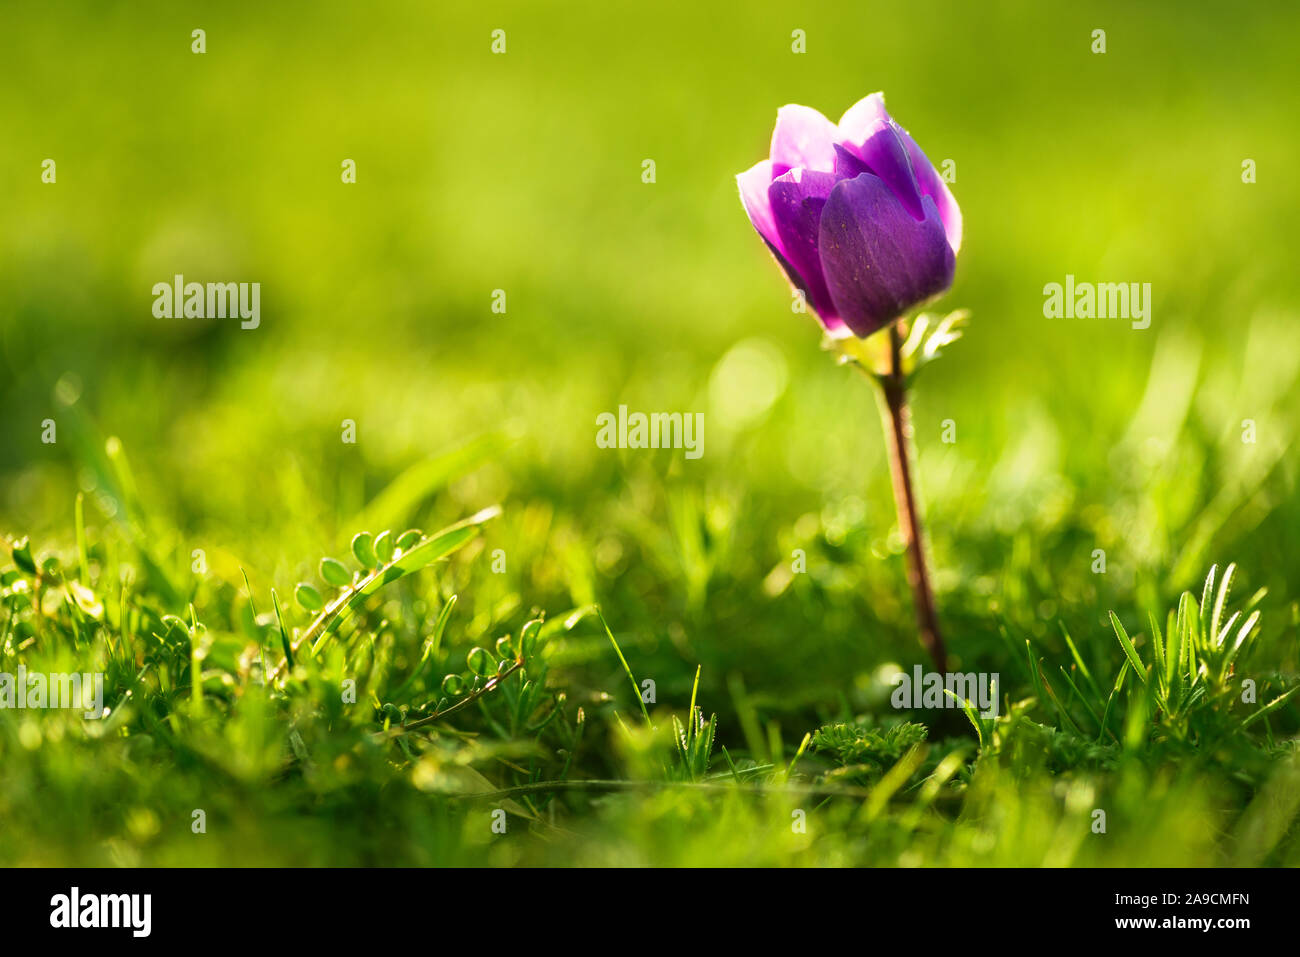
{"type": "Point", "coordinates": [522, 172]}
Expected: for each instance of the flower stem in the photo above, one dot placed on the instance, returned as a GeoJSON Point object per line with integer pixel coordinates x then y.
{"type": "Point", "coordinates": [897, 422]}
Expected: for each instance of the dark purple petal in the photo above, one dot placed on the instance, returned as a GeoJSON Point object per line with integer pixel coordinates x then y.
{"type": "Point", "coordinates": [857, 124]}
{"type": "Point", "coordinates": [932, 185]}
{"type": "Point", "coordinates": [802, 138]}
{"type": "Point", "coordinates": [797, 198]}
{"type": "Point", "coordinates": [847, 165]}
{"type": "Point", "coordinates": [883, 153]}
{"type": "Point", "coordinates": [878, 261]}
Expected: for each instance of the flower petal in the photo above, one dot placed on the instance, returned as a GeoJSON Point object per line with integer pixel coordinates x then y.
{"type": "Point", "coordinates": [847, 165]}
{"type": "Point", "coordinates": [878, 261]}
{"type": "Point", "coordinates": [753, 185]}
{"type": "Point", "coordinates": [856, 125]}
{"type": "Point", "coordinates": [882, 151]}
{"type": "Point", "coordinates": [797, 198]}
{"type": "Point", "coordinates": [932, 185]}
{"type": "Point", "coordinates": [861, 118]}
{"type": "Point", "coordinates": [802, 138]}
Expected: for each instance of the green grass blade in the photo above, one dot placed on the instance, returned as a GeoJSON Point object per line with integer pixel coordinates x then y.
{"type": "Point", "coordinates": [1127, 645]}
{"type": "Point", "coordinates": [1174, 651]}
{"type": "Point", "coordinates": [967, 707]}
{"type": "Point", "coordinates": [1237, 645]}
{"type": "Point", "coordinates": [397, 503]}
{"type": "Point", "coordinates": [1082, 700]}
{"type": "Point", "coordinates": [1078, 662]}
{"type": "Point", "coordinates": [636, 688]}
{"type": "Point", "coordinates": [1110, 701]}
{"type": "Point", "coordinates": [1208, 632]}
{"type": "Point", "coordinates": [1268, 708]}
{"type": "Point", "coordinates": [1221, 600]}
{"type": "Point", "coordinates": [284, 634]}
{"type": "Point", "coordinates": [83, 559]}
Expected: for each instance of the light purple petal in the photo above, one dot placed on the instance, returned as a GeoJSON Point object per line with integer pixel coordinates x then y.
{"type": "Point", "coordinates": [797, 198]}
{"type": "Point", "coordinates": [802, 138]}
{"type": "Point", "coordinates": [753, 185]}
{"type": "Point", "coordinates": [878, 261]}
{"type": "Point", "coordinates": [862, 117]}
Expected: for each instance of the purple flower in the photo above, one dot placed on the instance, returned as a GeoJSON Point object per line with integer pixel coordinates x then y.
{"type": "Point", "coordinates": [855, 214]}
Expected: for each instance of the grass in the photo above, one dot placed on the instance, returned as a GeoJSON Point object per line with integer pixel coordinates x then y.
{"type": "Point", "coordinates": [354, 653]}
{"type": "Point", "coordinates": [385, 714]}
